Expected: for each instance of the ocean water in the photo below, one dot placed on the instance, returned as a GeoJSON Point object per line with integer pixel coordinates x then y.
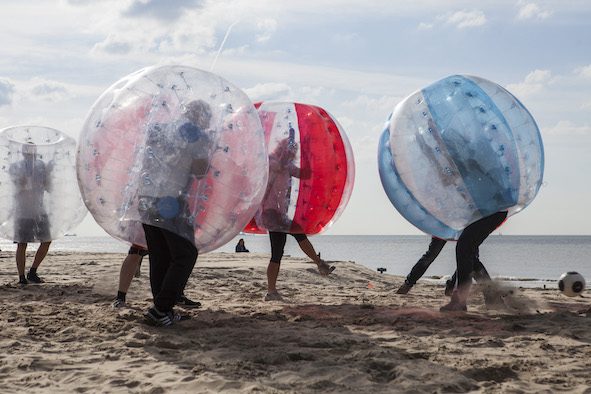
{"type": "Point", "coordinates": [530, 261]}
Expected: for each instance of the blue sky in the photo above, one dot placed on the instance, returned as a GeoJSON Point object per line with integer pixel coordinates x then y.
{"type": "Point", "coordinates": [356, 59]}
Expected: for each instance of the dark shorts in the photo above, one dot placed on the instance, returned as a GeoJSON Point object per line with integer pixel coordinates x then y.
{"type": "Point", "coordinates": [32, 230]}
{"type": "Point", "coordinates": [134, 249]}
{"type": "Point", "coordinates": [278, 241]}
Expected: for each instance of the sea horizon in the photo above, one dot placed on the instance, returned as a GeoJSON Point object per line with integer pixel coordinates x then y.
{"type": "Point", "coordinates": [523, 260]}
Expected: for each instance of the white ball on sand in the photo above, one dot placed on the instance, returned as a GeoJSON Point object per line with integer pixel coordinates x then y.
{"type": "Point", "coordinates": [571, 284]}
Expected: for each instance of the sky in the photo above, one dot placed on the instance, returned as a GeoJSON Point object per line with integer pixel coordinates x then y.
{"type": "Point", "coordinates": [357, 59]}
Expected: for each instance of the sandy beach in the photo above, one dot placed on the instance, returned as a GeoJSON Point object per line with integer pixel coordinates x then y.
{"type": "Point", "coordinates": [345, 333]}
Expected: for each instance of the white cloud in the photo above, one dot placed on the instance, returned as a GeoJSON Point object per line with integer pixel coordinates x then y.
{"type": "Point", "coordinates": [331, 78]}
{"type": "Point", "coordinates": [460, 19]}
{"type": "Point", "coordinates": [167, 10]}
{"type": "Point", "coordinates": [6, 92]}
{"type": "Point", "coordinates": [50, 91]}
{"type": "Point", "coordinates": [365, 148]}
{"type": "Point", "coordinates": [464, 19]}
{"type": "Point", "coordinates": [112, 45]}
{"type": "Point", "coordinates": [381, 105]}
{"type": "Point", "coordinates": [266, 28]}
{"type": "Point", "coordinates": [146, 38]}
{"type": "Point", "coordinates": [268, 91]}
{"type": "Point", "coordinates": [532, 11]}
{"type": "Point", "coordinates": [585, 71]}
{"type": "Point", "coordinates": [279, 91]}
{"type": "Point", "coordinates": [534, 83]}
{"type": "Point", "coordinates": [566, 127]}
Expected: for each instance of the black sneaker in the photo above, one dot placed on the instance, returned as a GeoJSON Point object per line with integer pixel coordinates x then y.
{"type": "Point", "coordinates": [159, 319]}
{"type": "Point", "coordinates": [404, 289]}
{"type": "Point", "coordinates": [184, 302]}
{"type": "Point", "coordinates": [23, 281]}
{"type": "Point", "coordinates": [34, 278]}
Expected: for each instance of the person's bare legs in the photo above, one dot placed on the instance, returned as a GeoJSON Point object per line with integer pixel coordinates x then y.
{"type": "Point", "coordinates": [21, 252]}
{"type": "Point", "coordinates": [272, 274]}
{"type": "Point", "coordinates": [128, 269]}
{"type": "Point", "coordinates": [40, 254]}
{"type": "Point", "coordinates": [309, 250]}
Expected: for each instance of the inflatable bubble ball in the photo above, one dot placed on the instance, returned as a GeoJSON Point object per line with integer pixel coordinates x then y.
{"type": "Point", "coordinates": [459, 150]}
{"type": "Point", "coordinates": [311, 169]}
{"type": "Point", "coordinates": [174, 147]}
{"type": "Point", "coordinates": [39, 197]}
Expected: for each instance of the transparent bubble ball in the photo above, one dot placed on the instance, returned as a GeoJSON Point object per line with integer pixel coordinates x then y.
{"type": "Point", "coordinates": [459, 150]}
{"type": "Point", "coordinates": [39, 197]}
{"type": "Point", "coordinates": [177, 148]}
{"type": "Point", "coordinates": [311, 169]}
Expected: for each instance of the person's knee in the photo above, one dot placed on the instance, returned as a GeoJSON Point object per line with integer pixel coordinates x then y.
{"type": "Point", "coordinates": [276, 255]}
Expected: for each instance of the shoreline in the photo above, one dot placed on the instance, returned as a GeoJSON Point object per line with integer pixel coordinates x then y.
{"type": "Point", "coordinates": [348, 332]}
{"type": "Point", "coordinates": [529, 262]}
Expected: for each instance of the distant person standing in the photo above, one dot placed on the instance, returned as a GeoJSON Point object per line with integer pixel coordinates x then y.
{"type": "Point", "coordinates": [241, 247]}
{"type": "Point", "coordinates": [30, 177]}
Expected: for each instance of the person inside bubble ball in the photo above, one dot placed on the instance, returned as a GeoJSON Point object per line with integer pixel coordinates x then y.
{"type": "Point", "coordinates": [467, 256]}
{"type": "Point", "coordinates": [177, 156]}
{"type": "Point", "coordinates": [274, 210]}
{"type": "Point", "coordinates": [31, 180]}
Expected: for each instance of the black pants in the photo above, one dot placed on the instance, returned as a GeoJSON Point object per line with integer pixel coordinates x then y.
{"type": "Point", "coordinates": [467, 247]}
{"type": "Point", "coordinates": [278, 241]}
{"type": "Point", "coordinates": [425, 261]}
{"type": "Point", "coordinates": [172, 259]}
{"type": "Point", "coordinates": [480, 274]}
